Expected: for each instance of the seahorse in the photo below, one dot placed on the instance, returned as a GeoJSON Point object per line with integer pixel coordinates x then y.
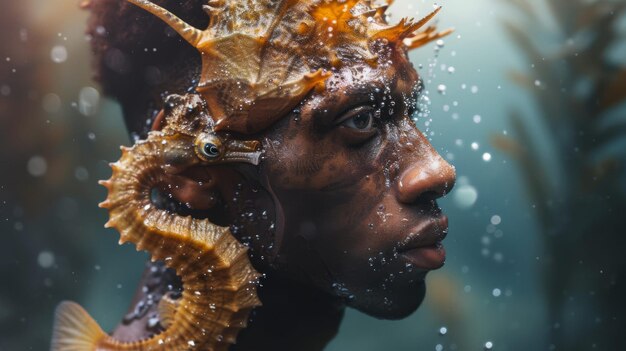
{"type": "Point", "coordinates": [219, 282]}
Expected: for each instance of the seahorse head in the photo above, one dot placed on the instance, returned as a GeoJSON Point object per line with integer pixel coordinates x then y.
{"type": "Point", "coordinates": [192, 140]}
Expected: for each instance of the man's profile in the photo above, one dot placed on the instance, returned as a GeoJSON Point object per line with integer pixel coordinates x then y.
{"type": "Point", "coordinates": [341, 211]}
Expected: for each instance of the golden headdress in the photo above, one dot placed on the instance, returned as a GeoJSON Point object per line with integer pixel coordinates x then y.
{"type": "Point", "coordinates": [261, 57]}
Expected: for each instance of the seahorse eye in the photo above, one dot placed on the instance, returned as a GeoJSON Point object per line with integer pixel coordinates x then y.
{"type": "Point", "coordinates": [211, 150]}
{"type": "Point", "coordinates": [209, 147]}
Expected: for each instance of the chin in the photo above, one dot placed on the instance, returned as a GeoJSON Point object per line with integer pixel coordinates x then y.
{"type": "Point", "coordinates": [392, 304]}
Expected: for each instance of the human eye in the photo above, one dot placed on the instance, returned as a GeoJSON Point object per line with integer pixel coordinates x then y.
{"type": "Point", "coordinates": [358, 124]}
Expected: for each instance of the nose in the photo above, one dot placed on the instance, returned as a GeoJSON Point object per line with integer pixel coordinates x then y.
{"type": "Point", "coordinates": [428, 178]}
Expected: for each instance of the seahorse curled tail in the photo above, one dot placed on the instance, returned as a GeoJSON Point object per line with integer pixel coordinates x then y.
{"type": "Point", "coordinates": [219, 283]}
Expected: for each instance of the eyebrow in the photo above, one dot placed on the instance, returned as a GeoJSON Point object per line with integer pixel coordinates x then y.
{"type": "Point", "coordinates": [356, 95]}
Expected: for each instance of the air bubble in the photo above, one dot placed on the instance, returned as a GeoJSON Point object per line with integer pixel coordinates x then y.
{"type": "Point", "coordinates": [465, 196]}
{"type": "Point", "coordinates": [45, 259]}
{"type": "Point", "coordinates": [37, 166]}
{"type": "Point", "coordinates": [51, 103]}
{"type": "Point", "coordinates": [495, 219]}
{"type": "Point", "coordinates": [88, 101]}
{"type": "Point", "coordinates": [58, 54]}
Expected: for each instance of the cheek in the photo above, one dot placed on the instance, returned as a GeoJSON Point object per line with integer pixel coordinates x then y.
{"type": "Point", "coordinates": [253, 220]}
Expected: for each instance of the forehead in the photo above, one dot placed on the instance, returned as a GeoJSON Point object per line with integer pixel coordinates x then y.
{"type": "Point", "coordinates": [396, 79]}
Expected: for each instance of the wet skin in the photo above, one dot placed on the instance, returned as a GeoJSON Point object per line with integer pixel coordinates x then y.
{"type": "Point", "coordinates": [342, 205]}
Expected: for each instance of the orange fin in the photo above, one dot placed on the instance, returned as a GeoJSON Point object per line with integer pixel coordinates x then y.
{"type": "Point", "coordinates": [167, 310]}
{"type": "Point", "coordinates": [74, 329]}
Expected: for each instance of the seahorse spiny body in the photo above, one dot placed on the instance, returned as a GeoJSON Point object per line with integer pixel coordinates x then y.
{"type": "Point", "coordinates": [219, 283]}
{"type": "Point", "coordinates": [261, 57]}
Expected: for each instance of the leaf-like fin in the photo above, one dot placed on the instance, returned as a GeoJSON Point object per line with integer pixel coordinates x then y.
{"type": "Point", "coordinates": [74, 329]}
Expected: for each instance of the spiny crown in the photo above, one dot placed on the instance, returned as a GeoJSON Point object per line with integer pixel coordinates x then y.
{"type": "Point", "coordinates": [261, 57]}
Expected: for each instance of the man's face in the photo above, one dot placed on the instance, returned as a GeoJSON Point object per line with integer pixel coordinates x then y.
{"type": "Point", "coordinates": [354, 183]}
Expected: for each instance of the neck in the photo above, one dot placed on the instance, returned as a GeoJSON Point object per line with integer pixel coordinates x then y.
{"type": "Point", "coordinates": [293, 317]}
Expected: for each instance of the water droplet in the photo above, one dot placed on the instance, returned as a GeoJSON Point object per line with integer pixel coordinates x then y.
{"type": "Point", "coordinates": [495, 220]}
{"type": "Point", "coordinates": [475, 146]}
{"type": "Point", "coordinates": [58, 54]}
{"type": "Point", "coordinates": [486, 157]}
{"type": "Point", "coordinates": [441, 89]}
{"type": "Point", "coordinates": [81, 174]}
{"type": "Point", "coordinates": [88, 101]}
{"type": "Point", "coordinates": [465, 196]}
{"type": "Point", "coordinates": [45, 259]}
{"type": "Point", "coordinates": [5, 90]}
{"type": "Point", "coordinates": [37, 166]}
{"type": "Point", "coordinates": [51, 103]}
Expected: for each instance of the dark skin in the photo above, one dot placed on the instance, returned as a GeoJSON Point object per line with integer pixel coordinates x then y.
{"type": "Point", "coordinates": [340, 212]}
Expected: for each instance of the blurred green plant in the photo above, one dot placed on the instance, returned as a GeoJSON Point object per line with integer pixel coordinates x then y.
{"type": "Point", "coordinates": [577, 190]}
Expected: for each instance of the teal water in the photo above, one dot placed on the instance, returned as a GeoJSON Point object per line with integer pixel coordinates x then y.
{"type": "Point", "coordinates": [491, 292]}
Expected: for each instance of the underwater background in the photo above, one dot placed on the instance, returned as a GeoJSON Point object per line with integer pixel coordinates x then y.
{"type": "Point", "coordinates": [527, 98]}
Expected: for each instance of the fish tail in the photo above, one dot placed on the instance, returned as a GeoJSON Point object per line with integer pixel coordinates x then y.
{"type": "Point", "coordinates": [74, 329]}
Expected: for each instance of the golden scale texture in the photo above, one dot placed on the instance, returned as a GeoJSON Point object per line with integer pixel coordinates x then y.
{"type": "Point", "coordinates": [259, 59]}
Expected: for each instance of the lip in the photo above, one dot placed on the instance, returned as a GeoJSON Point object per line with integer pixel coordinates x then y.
{"type": "Point", "coordinates": [423, 247]}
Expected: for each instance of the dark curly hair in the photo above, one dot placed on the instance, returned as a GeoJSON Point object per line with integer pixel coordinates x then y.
{"type": "Point", "coordinates": [139, 59]}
